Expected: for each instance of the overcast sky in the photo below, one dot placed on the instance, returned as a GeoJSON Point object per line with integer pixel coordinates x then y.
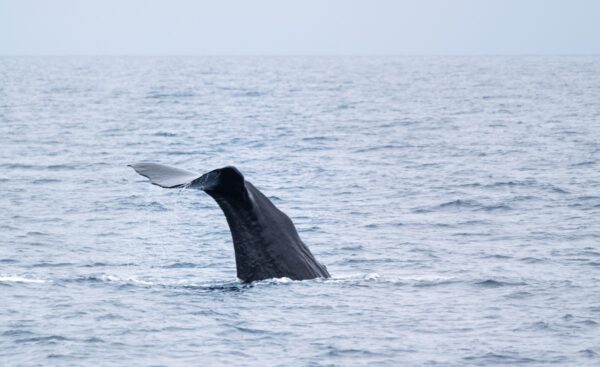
{"type": "Point", "coordinates": [300, 27]}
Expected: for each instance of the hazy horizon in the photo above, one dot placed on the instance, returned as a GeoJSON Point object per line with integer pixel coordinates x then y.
{"type": "Point", "coordinates": [267, 27]}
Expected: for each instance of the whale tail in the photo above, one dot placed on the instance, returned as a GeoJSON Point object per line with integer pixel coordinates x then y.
{"type": "Point", "coordinates": [265, 241]}
{"type": "Point", "coordinates": [223, 179]}
{"type": "Point", "coordinates": [165, 176]}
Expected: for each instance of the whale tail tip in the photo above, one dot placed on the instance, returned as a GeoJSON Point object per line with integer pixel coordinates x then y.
{"type": "Point", "coordinates": [164, 176]}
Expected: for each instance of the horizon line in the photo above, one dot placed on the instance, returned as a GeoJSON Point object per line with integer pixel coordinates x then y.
{"type": "Point", "coordinates": [293, 55]}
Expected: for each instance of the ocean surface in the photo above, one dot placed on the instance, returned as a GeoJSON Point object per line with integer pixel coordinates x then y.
{"type": "Point", "coordinates": [454, 200]}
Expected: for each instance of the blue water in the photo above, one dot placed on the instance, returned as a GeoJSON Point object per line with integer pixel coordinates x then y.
{"type": "Point", "coordinates": [454, 200]}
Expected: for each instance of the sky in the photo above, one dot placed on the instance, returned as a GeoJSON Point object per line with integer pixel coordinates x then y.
{"type": "Point", "coordinates": [299, 27]}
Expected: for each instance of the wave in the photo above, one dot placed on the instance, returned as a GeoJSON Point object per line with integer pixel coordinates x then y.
{"type": "Point", "coordinates": [492, 283]}
{"type": "Point", "coordinates": [180, 265]}
{"type": "Point", "coordinates": [460, 204]}
{"type": "Point", "coordinates": [172, 95]}
{"type": "Point", "coordinates": [357, 279]}
{"type": "Point", "coordinates": [497, 358]}
{"type": "Point", "coordinates": [51, 339]}
{"type": "Point", "coordinates": [20, 279]}
{"type": "Point", "coordinates": [42, 181]}
{"type": "Point", "coordinates": [514, 184]}
{"type": "Point", "coordinates": [108, 278]}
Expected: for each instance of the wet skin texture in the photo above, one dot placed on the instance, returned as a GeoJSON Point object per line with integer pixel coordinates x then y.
{"type": "Point", "coordinates": [265, 240]}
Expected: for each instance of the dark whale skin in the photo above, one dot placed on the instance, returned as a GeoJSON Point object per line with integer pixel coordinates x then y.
{"type": "Point", "coordinates": [265, 240]}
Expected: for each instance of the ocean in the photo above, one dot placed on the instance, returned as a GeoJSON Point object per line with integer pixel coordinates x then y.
{"type": "Point", "coordinates": [454, 200]}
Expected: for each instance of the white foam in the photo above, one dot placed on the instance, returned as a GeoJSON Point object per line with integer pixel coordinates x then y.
{"type": "Point", "coordinates": [372, 276]}
{"type": "Point", "coordinates": [19, 279]}
{"type": "Point", "coordinates": [128, 280]}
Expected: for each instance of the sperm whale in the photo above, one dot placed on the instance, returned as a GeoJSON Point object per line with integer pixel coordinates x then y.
{"type": "Point", "coordinates": [265, 240]}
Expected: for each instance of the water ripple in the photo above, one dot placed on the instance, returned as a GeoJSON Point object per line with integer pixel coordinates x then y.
{"type": "Point", "coordinates": [453, 199]}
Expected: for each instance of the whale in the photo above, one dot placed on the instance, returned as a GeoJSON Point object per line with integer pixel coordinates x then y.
{"type": "Point", "coordinates": [265, 240]}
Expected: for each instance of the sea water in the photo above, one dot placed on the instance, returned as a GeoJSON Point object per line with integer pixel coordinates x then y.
{"type": "Point", "coordinates": [454, 200]}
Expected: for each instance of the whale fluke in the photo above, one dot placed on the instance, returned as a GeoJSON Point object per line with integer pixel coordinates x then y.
{"type": "Point", "coordinates": [265, 240]}
{"type": "Point", "coordinates": [165, 176]}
